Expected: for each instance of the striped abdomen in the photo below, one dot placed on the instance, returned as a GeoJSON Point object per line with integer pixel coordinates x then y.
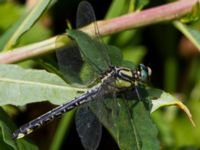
{"type": "Point", "coordinates": [55, 113]}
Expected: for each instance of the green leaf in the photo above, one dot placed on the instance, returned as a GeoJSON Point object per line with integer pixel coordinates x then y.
{"type": "Point", "coordinates": [139, 4]}
{"type": "Point", "coordinates": [129, 122]}
{"type": "Point", "coordinates": [95, 53]}
{"type": "Point", "coordinates": [20, 86]}
{"type": "Point", "coordinates": [114, 115]}
{"type": "Point", "coordinates": [32, 35]}
{"type": "Point", "coordinates": [24, 24]}
{"type": "Point", "coordinates": [90, 49]}
{"type": "Point", "coordinates": [14, 10]}
{"type": "Point", "coordinates": [119, 121]}
{"type": "Point", "coordinates": [192, 34]}
{"type": "Point", "coordinates": [8, 34]}
{"type": "Point", "coordinates": [163, 99]}
{"type": "Point", "coordinates": [195, 94]}
{"type": "Point", "coordinates": [63, 128]}
{"type": "Point", "coordinates": [6, 142]}
{"type": "Point", "coordinates": [115, 55]}
{"type": "Point", "coordinates": [193, 15]}
{"type": "Point", "coordinates": [116, 8]}
{"type": "Point", "coordinates": [146, 128]}
{"type": "Point", "coordinates": [135, 55]}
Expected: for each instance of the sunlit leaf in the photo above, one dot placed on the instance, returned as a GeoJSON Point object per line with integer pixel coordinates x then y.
{"type": "Point", "coordinates": [165, 99]}
{"type": "Point", "coordinates": [20, 86]}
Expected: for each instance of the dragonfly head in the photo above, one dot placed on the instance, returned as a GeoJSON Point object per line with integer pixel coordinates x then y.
{"type": "Point", "coordinates": [142, 74]}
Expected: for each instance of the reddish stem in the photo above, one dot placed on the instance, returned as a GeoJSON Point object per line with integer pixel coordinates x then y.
{"type": "Point", "coordinates": [167, 12]}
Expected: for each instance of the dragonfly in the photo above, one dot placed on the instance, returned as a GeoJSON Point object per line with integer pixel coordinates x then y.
{"type": "Point", "coordinates": [113, 79]}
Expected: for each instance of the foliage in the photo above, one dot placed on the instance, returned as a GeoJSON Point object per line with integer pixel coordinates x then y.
{"type": "Point", "coordinates": [174, 71]}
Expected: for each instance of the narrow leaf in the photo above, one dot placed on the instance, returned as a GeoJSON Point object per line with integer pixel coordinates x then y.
{"type": "Point", "coordinates": [116, 8]}
{"type": "Point", "coordinates": [192, 34]}
{"type": "Point", "coordinates": [139, 4]}
{"type": "Point", "coordinates": [25, 23]}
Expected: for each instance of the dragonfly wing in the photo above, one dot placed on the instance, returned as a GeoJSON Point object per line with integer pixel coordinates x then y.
{"type": "Point", "coordinates": [94, 52]}
{"type": "Point", "coordinates": [69, 63]}
{"type": "Point", "coordinates": [73, 66]}
{"type": "Point", "coordinates": [88, 128]}
{"type": "Point", "coordinates": [118, 120]}
{"type": "Point", "coordinates": [85, 15]}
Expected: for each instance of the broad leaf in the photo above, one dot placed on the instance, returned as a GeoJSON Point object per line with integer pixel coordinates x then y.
{"type": "Point", "coordinates": [129, 122]}
{"type": "Point", "coordinates": [20, 86]}
{"type": "Point", "coordinates": [145, 127]}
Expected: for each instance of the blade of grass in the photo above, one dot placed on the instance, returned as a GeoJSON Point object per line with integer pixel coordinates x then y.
{"type": "Point", "coordinates": [26, 23]}
{"type": "Point", "coordinates": [62, 129]}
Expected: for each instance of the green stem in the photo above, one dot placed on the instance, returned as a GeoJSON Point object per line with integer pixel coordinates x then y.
{"type": "Point", "coordinates": [62, 130]}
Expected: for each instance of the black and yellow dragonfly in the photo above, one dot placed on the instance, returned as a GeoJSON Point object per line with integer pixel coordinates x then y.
{"type": "Point", "coordinates": [112, 81]}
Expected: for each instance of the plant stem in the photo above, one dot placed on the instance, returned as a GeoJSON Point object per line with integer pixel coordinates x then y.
{"type": "Point", "coordinates": [32, 50]}
{"type": "Point", "coordinates": [62, 130]}
{"type": "Point", "coordinates": [167, 12]}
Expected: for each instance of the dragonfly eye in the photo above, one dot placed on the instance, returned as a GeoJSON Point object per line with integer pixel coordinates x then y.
{"type": "Point", "coordinates": [145, 73]}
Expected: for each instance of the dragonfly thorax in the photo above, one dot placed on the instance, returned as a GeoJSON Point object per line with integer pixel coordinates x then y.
{"type": "Point", "coordinates": [127, 78]}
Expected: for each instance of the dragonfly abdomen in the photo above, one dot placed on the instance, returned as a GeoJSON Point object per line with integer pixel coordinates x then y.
{"type": "Point", "coordinates": [55, 113]}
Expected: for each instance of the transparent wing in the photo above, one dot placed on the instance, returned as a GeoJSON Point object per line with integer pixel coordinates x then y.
{"type": "Point", "coordinates": [88, 128]}
{"type": "Point", "coordinates": [118, 119]}
{"type": "Point", "coordinates": [99, 58]}
{"type": "Point", "coordinates": [95, 53]}
{"type": "Point", "coordinates": [85, 15]}
{"type": "Point", "coordinates": [88, 54]}
{"type": "Point", "coordinates": [69, 63]}
{"type": "Point", "coordinates": [87, 125]}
